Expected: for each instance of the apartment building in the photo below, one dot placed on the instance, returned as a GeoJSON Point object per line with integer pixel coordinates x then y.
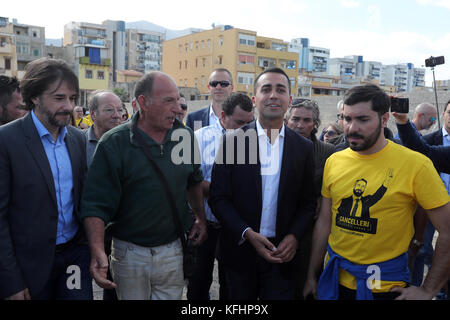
{"type": "Point", "coordinates": [191, 59]}
{"type": "Point", "coordinates": [344, 68]}
{"type": "Point", "coordinates": [30, 44]}
{"type": "Point", "coordinates": [311, 59]}
{"type": "Point", "coordinates": [8, 53]}
{"type": "Point", "coordinates": [404, 76]}
{"type": "Point", "coordinates": [144, 50]}
{"type": "Point", "coordinates": [89, 48]}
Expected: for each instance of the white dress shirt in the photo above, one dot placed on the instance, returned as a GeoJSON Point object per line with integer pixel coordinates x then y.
{"type": "Point", "coordinates": [270, 157]}
{"type": "Point", "coordinates": [208, 139]}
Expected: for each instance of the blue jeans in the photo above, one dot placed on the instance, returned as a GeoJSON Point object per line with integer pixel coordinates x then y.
{"type": "Point", "coordinates": [424, 256]}
{"type": "Point", "coordinates": [70, 278]}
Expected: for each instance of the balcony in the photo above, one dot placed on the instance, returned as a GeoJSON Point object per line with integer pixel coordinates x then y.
{"type": "Point", "coordinates": [103, 62]}
{"type": "Point", "coordinates": [5, 48]}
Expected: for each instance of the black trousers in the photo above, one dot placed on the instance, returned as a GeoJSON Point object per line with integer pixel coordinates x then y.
{"type": "Point", "coordinates": [265, 282]}
{"type": "Point", "coordinates": [200, 283]}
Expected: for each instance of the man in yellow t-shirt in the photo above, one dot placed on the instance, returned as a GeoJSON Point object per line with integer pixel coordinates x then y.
{"type": "Point", "coordinates": [370, 192]}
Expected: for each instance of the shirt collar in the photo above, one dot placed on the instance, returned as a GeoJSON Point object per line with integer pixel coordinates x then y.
{"type": "Point", "coordinates": [42, 130]}
{"type": "Point", "coordinates": [262, 132]}
{"type": "Point", "coordinates": [445, 133]}
{"type": "Point", "coordinates": [91, 134]}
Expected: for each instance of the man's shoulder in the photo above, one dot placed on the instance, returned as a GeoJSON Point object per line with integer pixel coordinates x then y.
{"type": "Point", "coordinates": [75, 131]}
{"type": "Point", "coordinates": [324, 147]}
{"type": "Point", "coordinates": [297, 138]}
{"type": "Point", "coordinates": [434, 138]}
{"type": "Point", "coordinates": [16, 129]}
{"type": "Point", "coordinates": [122, 130]}
{"type": "Point", "coordinates": [198, 112]}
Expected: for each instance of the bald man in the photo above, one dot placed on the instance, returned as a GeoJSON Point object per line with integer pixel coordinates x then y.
{"type": "Point", "coordinates": [425, 115]}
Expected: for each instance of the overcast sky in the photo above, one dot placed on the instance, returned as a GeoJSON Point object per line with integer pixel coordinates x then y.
{"type": "Point", "coordinates": [388, 31]}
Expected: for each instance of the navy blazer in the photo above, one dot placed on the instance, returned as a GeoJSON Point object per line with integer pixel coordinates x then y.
{"type": "Point", "coordinates": [28, 207]}
{"type": "Point", "coordinates": [236, 196]}
{"type": "Point", "coordinates": [435, 138]}
{"type": "Point", "coordinates": [439, 154]}
{"type": "Point", "coordinates": [199, 115]}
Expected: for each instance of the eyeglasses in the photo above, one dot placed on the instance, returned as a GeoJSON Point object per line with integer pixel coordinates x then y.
{"type": "Point", "coordinates": [223, 84]}
{"type": "Point", "coordinates": [112, 110]}
{"type": "Point", "coordinates": [340, 116]}
{"type": "Point", "coordinates": [183, 106]}
{"type": "Point", "coordinates": [329, 133]}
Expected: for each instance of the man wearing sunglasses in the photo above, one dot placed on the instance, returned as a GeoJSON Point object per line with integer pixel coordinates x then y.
{"type": "Point", "coordinates": [220, 87]}
{"type": "Point", "coordinates": [182, 114]}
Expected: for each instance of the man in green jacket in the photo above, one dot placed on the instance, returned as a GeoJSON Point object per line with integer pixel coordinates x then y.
{"type": "Point", "coordinates": [123, 193]}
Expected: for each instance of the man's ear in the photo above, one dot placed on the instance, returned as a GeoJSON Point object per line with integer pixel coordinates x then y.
{"type": "Point", "coordinates": [35, 101]}
{"type": "Point", "coordinates": [93, 114]}
{"type": "Point", "coordinates": [384, 119]}
{"type": "Point", "coordinates": [142, 99]}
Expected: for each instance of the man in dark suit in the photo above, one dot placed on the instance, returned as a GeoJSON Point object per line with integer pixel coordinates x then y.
{"type": "Point", "coordinates": [43, 166]}
{"type": "Point", "coordinates": [264, 202]}
{"type": "Point", "coordinates": [220, 86]}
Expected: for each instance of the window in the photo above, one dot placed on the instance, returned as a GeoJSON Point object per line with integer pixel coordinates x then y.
{"type": "Point", "coordinates": [246, 59]}
{"type": "Point", "coordinates": [247, 39]}
{"type": "Point", "coordinates": [36, 52]}
{"type": "Point", "coordinates": [219, 59]}
{"type": "Point", "coordinates": [288, 64]}
{"type": "Point", "coordinates": [185, 64]}
{"type": "Point", "coordinates": [100, 75]}
{"type": "Point", "coordinates": [266, 62]}
{"type": "Point", "coordinates": [7, 63]}
{"type": "Point", "coordinates": [245, 78]}
{"type": "Point", "coordinates": [204, 62]}
{"type": "Point", "coordinates": [88, 74]}
{"type": "Point", "coordinates": [220, 41]}
{"type": "Point", "coordinates": [180, 64]}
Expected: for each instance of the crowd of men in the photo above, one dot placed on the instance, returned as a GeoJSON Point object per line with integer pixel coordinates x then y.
{"type": "Point", "coordinates": [349, 215]}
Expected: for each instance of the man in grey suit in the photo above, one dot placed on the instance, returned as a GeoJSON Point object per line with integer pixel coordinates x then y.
{"type": "Point", "coordinates": [42, 169]}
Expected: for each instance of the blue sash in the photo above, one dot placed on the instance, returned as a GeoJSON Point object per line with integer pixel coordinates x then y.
{"type": "Point", "coordinates": [395, 269]}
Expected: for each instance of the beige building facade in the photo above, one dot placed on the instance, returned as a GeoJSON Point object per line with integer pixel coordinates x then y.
{"type": "Point", "coordinates": [8, 53]}
{"type": "Point", "coordinates": [191, 59]}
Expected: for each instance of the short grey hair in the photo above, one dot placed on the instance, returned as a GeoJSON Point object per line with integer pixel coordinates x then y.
{"type": "Point", "coordinates": [94, 99]}
{"type": "Point", "coordinates": [308, 105]}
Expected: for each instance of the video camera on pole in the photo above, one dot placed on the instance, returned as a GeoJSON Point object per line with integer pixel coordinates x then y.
{"type": "Point", "coordinates": [431, 62]}
{"type": "Point", "coordinates": [434, 61]}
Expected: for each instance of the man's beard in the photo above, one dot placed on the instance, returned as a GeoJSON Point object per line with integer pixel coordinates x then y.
{"type": "Point", "coordinates": [51, 118]}
{"type": "Point", "coordinates": [368, 141]}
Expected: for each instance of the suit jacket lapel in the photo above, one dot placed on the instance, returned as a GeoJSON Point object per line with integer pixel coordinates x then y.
{"type": "Point", "coordinates": [256, 169]}
{"type": "Point", "coordinates": [74, 162]}
{"type": "Point", "coordinates": [284, 168]}
{"type": "Point", "coordinates": [34, 145]}
{"type": "Point", "coordinates": [205, 118]}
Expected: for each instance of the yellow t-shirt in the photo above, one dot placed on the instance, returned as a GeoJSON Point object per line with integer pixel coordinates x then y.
{"type": "Point", "coordinates": [86, 120]}
{"type": "Point", "coordinates": [374, 198]}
